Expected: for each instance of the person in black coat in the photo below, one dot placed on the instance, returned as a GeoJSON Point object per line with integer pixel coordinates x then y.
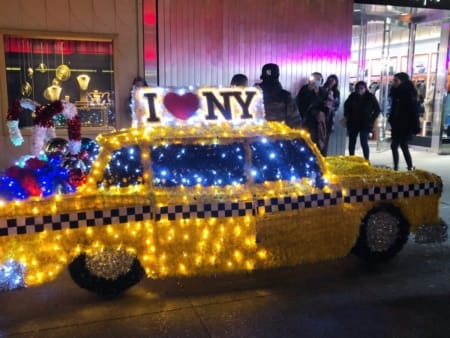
{"type": "Point", "coordinates": [314, 104]}
{"type": "Point", "coordinates": [239, 80]}
{"type": "Point", "coordinates": [333, 101]}
{"type": "Point", "coordinates": [279, 104]}
{"type": "Point", "coordinates": [361, 109]}
{"type": "Point", "coordinates": [403, 118]}
{"type": "Point", "coordinates": [332, 84]}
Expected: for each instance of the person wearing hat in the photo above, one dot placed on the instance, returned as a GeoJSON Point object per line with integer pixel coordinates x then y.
{"type": "Point", "coordinates": [279, 104]}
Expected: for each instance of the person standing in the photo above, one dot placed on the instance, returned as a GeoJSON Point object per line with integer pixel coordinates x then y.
{"type": "Point", "coordinates": [314, 106]}
{"type": "Point", "coordinates": [361, 109]}
{"type": "Point", "coordinates": [138, 82]}
{"type": "Point", "coordinates": [239, 80]}
{"type": "Point", "coordinates": [278, 102]}
{"type": "Point", "coordinates": [332, 85]}
{"type": "Point", "coordinates": [334, 101]}
{"type": "Point", "coordinates": [403, 118]}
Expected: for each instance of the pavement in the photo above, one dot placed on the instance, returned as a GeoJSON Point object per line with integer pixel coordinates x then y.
{"type": "Point", "coordinates": [409, 297]}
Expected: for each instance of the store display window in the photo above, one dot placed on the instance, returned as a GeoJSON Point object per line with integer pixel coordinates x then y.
{"type": "Point", "coordinates": [45, 70]}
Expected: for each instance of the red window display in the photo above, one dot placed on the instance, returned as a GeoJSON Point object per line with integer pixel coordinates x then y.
{"type": "Point", "coordinates": [78, 71]}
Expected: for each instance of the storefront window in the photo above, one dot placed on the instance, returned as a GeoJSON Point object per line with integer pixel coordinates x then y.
{"type": "Point", "coordinates": [446, 117]}
{"type": "Point", "coordinates": [45, 70]}
{"type": "Point", "coordinates": [424, 67]}
{"type": "Point", "coordinates": [387, 40]}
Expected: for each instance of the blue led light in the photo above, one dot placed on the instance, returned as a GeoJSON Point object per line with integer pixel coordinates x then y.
{"type": "Point", "coordinates": [213, 164]}
{"type": "Point", "coordinates": [293, 160]}
{"type": "Point", "coordinates": [46, 179]}
{"type": "Point", "coordinates": [124, 169]}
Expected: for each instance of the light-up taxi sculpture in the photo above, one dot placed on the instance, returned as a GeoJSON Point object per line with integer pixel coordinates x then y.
{"type": "Point", "coordinates": [201, 184]}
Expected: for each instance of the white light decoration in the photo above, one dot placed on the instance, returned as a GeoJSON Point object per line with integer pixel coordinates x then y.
{"type": "Point", "coordinates": [178, 106]}
{"type": "Point", "coordinates": [12, 276]}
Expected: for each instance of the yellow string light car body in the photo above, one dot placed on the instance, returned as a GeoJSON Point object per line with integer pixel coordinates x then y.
{"type": "Point", "coordinates": [202, 199]}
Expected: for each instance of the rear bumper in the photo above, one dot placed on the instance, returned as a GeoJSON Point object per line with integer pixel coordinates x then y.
{"type": "Point", "coordinates": [436, 233]}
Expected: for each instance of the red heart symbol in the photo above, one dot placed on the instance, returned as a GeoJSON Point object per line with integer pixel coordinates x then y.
{"type": "Point", "coordinates": [182, 107]}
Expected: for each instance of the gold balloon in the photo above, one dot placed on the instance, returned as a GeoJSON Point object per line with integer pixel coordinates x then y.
{"type": "Point", "coordinates": [42, 68]}
{"type": "Point", "coordinates": [56, 82]}
{"type": "Point", "coordinates": [26, 89]}
{"type": "Point", "coordinates": [30, 72]}
{"type": "Point", "coordinates": [62, 72]}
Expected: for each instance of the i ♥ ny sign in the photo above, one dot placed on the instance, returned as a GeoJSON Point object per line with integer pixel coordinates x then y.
{"type": "Point", "coordinates": [207, 104]}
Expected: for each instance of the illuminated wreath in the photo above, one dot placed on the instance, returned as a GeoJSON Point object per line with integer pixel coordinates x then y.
{"type": "Point", "coordinates": [43, 126]}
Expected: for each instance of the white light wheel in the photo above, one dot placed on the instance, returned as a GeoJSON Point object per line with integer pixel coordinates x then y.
{"type": "Point", "coordinates": [383, 232]}
{"type": "Point", "coordinates": [107, 272]}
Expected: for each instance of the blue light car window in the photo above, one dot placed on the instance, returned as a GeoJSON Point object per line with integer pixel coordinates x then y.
{"type": "Point", "coordinates": [124, 168]}
{"type": "Point", "coordinates": [207, 165]}
{"type": "Point", "coordinates": [274, 160]}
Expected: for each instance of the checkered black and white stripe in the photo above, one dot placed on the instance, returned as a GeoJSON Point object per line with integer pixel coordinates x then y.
{"type": "Point", "coordinates": [391, 192]}
{"type": "Point", "coordinates": [287, 203]}
{"type": "Point", "coordinates": [25, 225]}
{"type": "Point", "coordinates": [208, 210]}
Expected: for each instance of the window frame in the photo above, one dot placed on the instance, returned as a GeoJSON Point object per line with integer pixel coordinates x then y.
{"type": "Point", "coordinates": [85, 37]}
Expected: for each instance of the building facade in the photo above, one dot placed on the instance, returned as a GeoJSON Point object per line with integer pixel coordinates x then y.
{"type": "Point", "coordinates": [89, 51]}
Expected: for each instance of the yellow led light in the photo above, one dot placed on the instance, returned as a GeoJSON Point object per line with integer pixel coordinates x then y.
{"type": "Point", "coordinates": [262, 254]}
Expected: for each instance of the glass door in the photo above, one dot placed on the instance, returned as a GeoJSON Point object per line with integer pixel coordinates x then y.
{"type": "Point", "coordinates": [394, 53]}
{"type": "Point", "coordinates": [423, 74]}
{"type": "Point", "coordinates": [442, 94]}
{"type": "Point", "coordinates": [388, 40]}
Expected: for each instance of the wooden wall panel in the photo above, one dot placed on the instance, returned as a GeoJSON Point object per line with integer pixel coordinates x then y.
{"type": "Point", "coordinates": [205, 42]}
{"type": "Point", "coordinates": [33, 14]}
{"type": "Point", "coordinates": [57, 17]}
{"type": "Point", "coordinates": [81, 15]}
{"type": "Point", "coordinates": [105, 14]}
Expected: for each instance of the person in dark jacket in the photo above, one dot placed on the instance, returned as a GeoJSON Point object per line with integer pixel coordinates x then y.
{"type": "Point", "coordinates": [278, 102]}
{"type": "Point", "coordinates": [314, 104]}
{"type": "Point", "coordinates": [138, 82]}
{"type": "Point", "coordinates": [332, 85]}
{"type": "Point", "coordinates": [361, 109]}
{"type": "Point", "coordinates": [403, 118]}
{"type": "Point", "coordinates": [311, 94]}
{"type": "Point", "coordinates": [334, 101]}
{"type": "Point", "coordinates": [239, 80]}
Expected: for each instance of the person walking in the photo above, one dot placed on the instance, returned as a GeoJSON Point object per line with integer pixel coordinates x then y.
{"type": "Point", "coordinates": [403, 118]}
{"type": "Point", "coordinates": [278, 102]}
{"type": "Point", "coordinates": [361, 109]}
